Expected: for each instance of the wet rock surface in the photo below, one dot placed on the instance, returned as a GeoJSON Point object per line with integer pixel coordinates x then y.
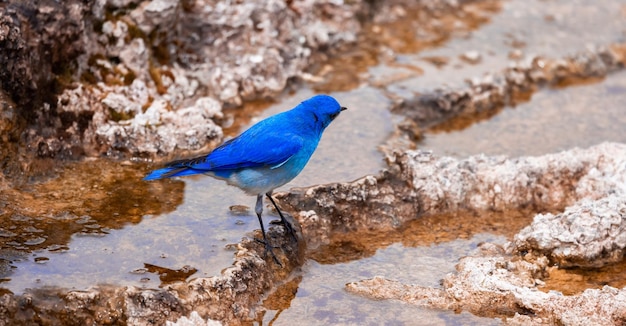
{"type": "Point", "coordinates": [143, 78]}
{"type": "Point", "coordinates": [157, 78]}
{"type": "Point", "coordinates": [229, 298]}
{"type": "Point", "coordinates": [417, 183]}
{"type": "Point", "coordinates": [589, 234]}
{"type": "Point", "coordinates": [40, 42]}
{"type": "Point", "coordinates": [505, 283]}
{"type": "Point", "coordinates": [490, 283]}
{"type": "Point", "coordinates": [486, 95]}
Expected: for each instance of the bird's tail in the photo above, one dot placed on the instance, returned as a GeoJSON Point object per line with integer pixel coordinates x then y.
{"type": "Point", "coordinates": [172, 171]}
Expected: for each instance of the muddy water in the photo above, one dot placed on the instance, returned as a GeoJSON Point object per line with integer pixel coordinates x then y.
{"type": "Point", "coordinates": [421, 252]}
{"type": "Point", "coordinates": [552, 29]}
{"type": "Point", "coordinates": [554, 119]}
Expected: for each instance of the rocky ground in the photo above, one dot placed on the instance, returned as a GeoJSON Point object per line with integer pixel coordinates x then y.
{"type": "Point", "coordinates": [506, 281]}
{"type": "Point", "coordinates": [145, 79]}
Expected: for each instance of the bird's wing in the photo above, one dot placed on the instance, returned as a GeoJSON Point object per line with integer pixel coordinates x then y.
{"type": "Point", "coordinates": [265, 149]}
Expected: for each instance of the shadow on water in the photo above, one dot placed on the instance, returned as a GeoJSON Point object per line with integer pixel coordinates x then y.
{"type": "Point", "coordinates": [88, 198]}
{"type": "Point", "coordinates": [573, 113]}
{"type": "Point", "coordinates": [463, 121]}
{"type": "Point", "coordinates": [518, 99]}
{"type": "Point", "coordinates": [74, 224]}
{"type": "Point", "coordinates": [571, 281]}
{"type": "Point", "coordinates": [420, 252]}
{"type": "Point", "coordinates": [588, 112]}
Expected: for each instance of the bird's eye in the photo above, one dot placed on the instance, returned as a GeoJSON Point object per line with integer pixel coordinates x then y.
{"type": "Point", "coordinates": [334, 115]}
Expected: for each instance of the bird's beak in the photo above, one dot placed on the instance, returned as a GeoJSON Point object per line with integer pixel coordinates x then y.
{"type": "Point", "coordinates": [343, 108]}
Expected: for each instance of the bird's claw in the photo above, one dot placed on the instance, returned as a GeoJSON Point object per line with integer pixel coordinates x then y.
{"type": "Point", "coordinates": [288, 227]}
{"type": "Point", "coordinates": [269, 248]}
{"type": "Point", "coordinates": [283, 220]}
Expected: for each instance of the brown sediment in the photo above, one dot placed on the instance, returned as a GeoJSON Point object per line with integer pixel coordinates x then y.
{"type": "Point", "coordinates": [396, 29]}
{"type": "Point", "coordinates": [229, 298]}
{"type": "Point", "coordinates": [575, 280]}
{"type": "Point", "coordinates": [84, 198]}
{"type": "Point", "coordinates": [116, 86]}
{"type": "Point", "coordinates": [279, 299]}
{"type": "Point", "coordinates": [242, 116]}
{"type": "Point", "coordinates": [504, 281]}
{"type": "Point", "coordinates": [424, 231]}
{"type": "Point", "coordinates": [454, 109]}
{"type": "Point", "coordinates": [396, 205]}
{"type": "Point", "coordinates": [418, 184]}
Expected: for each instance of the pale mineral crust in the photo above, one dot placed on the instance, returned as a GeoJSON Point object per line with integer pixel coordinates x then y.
{"type": "Point", "coordinates": [229, 298]}
{"type": "Point", "coordinates": [126, 78]}
{"type": "Point", "coordinates": [141, 78]}
{"type": "Point", "coordinates": [588, 184]}
{"type": "Point", "coordinates": [490, 283]}
{"type": "Point", "coordinates": [418, 183]}
{"type": "Point", "coordinates": [493, 91]}
{"type": "Point", "coordinates": [147, 78]}
{"type": "Point", "coordinates": [587, 234]}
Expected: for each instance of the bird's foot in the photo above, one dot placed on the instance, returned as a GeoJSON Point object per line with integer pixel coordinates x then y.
{"type": "Point", "coordinates": [288, 226]}
{"type": "Point", "coordinates": [269, 248]}
{"type": "Point", "coordinates": [287, 223]}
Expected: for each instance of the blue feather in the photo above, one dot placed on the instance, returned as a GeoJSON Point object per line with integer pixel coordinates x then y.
{"type": "Point", "coordinates": [266, 156]}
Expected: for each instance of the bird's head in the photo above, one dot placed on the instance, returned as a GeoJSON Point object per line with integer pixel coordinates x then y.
{"type": "Point", "coordinates": [324, 109]}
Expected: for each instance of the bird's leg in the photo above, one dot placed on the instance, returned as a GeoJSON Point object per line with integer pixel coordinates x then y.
{"type": "Point", "coordinates": [259, 210]}
{"type": "Point", "coordinates": [282, 218]}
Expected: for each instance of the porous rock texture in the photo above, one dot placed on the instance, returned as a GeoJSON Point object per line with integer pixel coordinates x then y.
{"type": "Point", "coordinates": [418, 183]}
{"type": "Point", "coordinates": [494, 90]}
{"type": "Point", "coordinates": [229, 298]}
{"type": "Point", "coordinates": [588, 234]}
{"type": "Point", "coordinates": [504, 281]}
{"type": "Point", "coordinates": [147, 77]}
{"type": "Point", "coordinates": [490, 283]}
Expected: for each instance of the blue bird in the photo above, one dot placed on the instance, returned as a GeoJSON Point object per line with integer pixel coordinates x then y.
{"type": "Point", "coordinates": [266, 156]}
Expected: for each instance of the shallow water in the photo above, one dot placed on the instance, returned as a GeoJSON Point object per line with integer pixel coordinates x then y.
{"type": "Point", "coordinates": [422, 252]}
{"type": "Point", "coordinates": [320, 298]}
{"type": "Point", "coordinates": [553, 120]}
{"type": "Point", "coordinates": [188, 224]}
{"type": "Point", "coordinates": [201, 222]}
{"type": "Point", "coordinates": [553, 29]}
